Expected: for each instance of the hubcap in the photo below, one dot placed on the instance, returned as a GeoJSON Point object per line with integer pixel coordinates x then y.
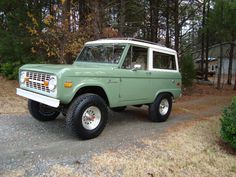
{"type": "Point", "coordinates": [164, 107]}
{"type": "Point", "coordinates": [91, 118]}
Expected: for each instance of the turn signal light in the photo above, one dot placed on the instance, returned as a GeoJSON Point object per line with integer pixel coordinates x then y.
{"type": "Point", "coordinates": [26, 79]}
{"type": "Point", "coordinates": [68, 84]}
{"type": "Point", "coordinates": [45, 83]}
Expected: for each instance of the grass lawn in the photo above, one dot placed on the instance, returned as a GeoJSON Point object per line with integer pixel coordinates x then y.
{"type": "Point", "coordinates": [9, 101]}
{"type": "Point", "coordinates": [190, 149]}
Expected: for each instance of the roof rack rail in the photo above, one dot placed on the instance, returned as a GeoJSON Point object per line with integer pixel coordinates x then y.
{"type": "Point", "coordinates": [134, 39]}
{"type": "Point", "coordinates": [146, 41]}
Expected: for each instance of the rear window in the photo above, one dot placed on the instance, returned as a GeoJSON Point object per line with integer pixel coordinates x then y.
{"type": "Point", "coordinates": [163, 61]}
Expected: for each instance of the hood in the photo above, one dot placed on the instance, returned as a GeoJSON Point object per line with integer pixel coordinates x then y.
{"type": "Point", "coordinates": [72, 70]}
{"type": "Point", "coordinates": [46, 68]}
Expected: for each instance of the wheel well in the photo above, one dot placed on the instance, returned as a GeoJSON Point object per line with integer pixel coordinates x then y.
{"type": "Point", "coordinates": [95, 90]}
{"type": "Point", "coordinates": [172, 96]}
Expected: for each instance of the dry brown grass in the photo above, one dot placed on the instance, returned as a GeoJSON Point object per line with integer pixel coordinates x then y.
{"type": "Point", "coordinates": [203, 89]}
{"type": "Point", "coordinates": [62, 171]}
{"type": "Point", "coordinates": [193, 151]}
{"type": "Point", "coordinates": [14, 173]}
{"type": "Point", "coordinates": [9, 101]}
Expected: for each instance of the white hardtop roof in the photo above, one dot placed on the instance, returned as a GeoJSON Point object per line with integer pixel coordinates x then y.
{"type": "Point", "coordinates": [134, 42]}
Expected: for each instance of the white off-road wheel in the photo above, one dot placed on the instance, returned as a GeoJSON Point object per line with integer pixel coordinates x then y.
{"type": "Point", "coordinates": [160, 109]}
{"type": "Point", "coordinates": [91, 118]}
{"type": "Point", "coordinates": [87, 116]}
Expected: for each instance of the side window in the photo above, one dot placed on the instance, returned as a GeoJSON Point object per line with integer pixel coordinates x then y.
{"type": "Point", "coordinates": [136, 55]}
{"type": "Point", "coordinates": [163, 61]}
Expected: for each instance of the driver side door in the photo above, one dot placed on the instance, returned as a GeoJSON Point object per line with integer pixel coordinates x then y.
{"type": "Point", "coordinates": [134, 85]}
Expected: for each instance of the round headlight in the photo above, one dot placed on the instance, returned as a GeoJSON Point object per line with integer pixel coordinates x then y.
{"type": "Point", "coordinates": [22, 76]}
{"type": "Point", "coordinates": [52, 83]}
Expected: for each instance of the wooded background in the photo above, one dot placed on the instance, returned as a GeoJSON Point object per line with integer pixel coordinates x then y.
{"type": "Point", "coordinates": [54, 31]}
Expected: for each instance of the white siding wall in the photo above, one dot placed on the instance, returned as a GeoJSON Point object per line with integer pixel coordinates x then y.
{"type": "Point", "coordinates": [226, 66]}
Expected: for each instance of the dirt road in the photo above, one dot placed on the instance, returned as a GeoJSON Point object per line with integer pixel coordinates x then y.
{"type": "Point", "coordinates": [30, 148]}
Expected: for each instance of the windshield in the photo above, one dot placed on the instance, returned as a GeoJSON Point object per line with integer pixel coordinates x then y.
{"type": "Point", "coordinates": [101, 53]}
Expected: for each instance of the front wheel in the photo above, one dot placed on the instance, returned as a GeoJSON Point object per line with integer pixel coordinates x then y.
{"type": "Point", "coordinates": [159, 111]}
{"type": "Point", "coordinates": [87, 116]}
{"type": "Point", "coordinates": [41, 111]}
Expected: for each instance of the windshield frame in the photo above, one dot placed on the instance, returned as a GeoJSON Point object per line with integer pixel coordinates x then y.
{"type": "Point", "coordinates": [123, 53]}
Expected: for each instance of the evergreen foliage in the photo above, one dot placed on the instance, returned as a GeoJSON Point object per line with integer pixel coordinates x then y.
{"type": "Point", "coordinates": [15, 42]}
{"type": "Point", "coordinates": [55, 31]}
{"type": "Point", "coordinates": [228, 124]}
{"type": "Point", "coordinates": [187, 70]}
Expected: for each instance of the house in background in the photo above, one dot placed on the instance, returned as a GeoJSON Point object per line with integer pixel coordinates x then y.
{"type": "Point", "coordinates": [212, 65]}
{"type": "Point", "coordinates": [214, 57]}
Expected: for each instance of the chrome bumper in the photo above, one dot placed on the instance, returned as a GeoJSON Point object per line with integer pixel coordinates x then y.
{"type": "Point", "coordinates": [39, 98]}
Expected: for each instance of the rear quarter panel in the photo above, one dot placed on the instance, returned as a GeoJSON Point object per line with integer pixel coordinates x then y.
{"type": "Point", "coordinates": [164, 81]}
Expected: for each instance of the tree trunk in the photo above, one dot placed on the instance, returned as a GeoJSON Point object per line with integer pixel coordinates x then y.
{"type": "Point", "coordinates": [122, 17]}
{"type": "Point", "coordinates": [207, 41]}
{"type": "Point", "coordinates": [176, 24]}
{"type": "Point", "coordinates": [231, 56]}
{"type": "Point", "coordinates": [98, 18]}
{"type": "Point", "coordinates": [67, 26]}
{"type": "Point", "coordinates": [167, 23]}
{"type": "Point", "coordinates": [51, 8]}
{"type": "Point", "coordinates": [68, 15]}
{"type": "Point", "coordinates": [145, 23]}
{"type": "Point", "coordinates": [220, 67]}
{"type": "Point", "coordinates": [156, 21]}
{"type": "Point", "coordinates": [151, 19]}
{"type": "Point", "coordinates": [203, 38]}
{"type": "Point", "coordinates": [154, 6]}
{"type": "Point", "coordinates": [235, 82]}
{"type": "Point", "coordinates": [221, 51]}
{"type": "Point", "coordinates": [83, 12]}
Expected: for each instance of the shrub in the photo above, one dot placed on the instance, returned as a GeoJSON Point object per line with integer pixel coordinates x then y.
{"type": "Point", "coordinates": [228, 124]}
{"type": "Point", "coordinates": [9, 70]}
{"type": "Point", "coordinates": [187, 70]}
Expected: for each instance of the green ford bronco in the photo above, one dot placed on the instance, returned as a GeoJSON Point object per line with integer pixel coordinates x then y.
{"type": "Point", "coordinates": [113, 73]}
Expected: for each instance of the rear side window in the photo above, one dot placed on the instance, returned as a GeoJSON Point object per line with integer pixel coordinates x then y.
{"type": "Point", "coordinates": [163, 61]}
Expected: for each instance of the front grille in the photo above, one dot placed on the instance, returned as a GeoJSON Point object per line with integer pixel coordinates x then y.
{"type": "Point", "coordinates": [36, 80]}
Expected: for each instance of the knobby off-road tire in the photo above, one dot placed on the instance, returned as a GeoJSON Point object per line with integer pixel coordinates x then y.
{"type": "Point", "coordinates": [87, 116]}
{"type": "Point", "coordinates": [159, 111]}
{"type": "Point", "coordinates": [118, 109]}
{"type": "Point", "coordinates": [41, 111]}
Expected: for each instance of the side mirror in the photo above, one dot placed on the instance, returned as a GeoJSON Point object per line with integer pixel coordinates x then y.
{"type": "Point", "coordinates": [136, 67]}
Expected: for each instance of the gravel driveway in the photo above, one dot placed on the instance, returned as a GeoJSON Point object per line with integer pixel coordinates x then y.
{"type": "Point", "coordinates": [27, 143]}
{"type": "Point", "coordinates": [35, 146]}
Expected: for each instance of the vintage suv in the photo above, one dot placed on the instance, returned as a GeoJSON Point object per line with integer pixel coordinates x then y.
{"type": "Point", "coordinates": [112, 73]}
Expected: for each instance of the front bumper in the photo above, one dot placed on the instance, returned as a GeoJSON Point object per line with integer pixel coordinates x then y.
{"type": "Point", "coordinates": [39, 98]}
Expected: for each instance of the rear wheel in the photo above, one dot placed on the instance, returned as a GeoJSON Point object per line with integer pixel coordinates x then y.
{"type": "Point", "coordinates": [87, 116]}
{"type": "Point", "coordinates": [159, 111]}
{"type": "Point", "coordinates": [41, 111]}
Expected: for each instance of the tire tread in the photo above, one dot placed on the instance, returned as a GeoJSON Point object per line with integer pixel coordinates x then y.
{"type": "Point", "coordinates": [154, 114]}
{"type": "Point", "coordinates": [75, 108]}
